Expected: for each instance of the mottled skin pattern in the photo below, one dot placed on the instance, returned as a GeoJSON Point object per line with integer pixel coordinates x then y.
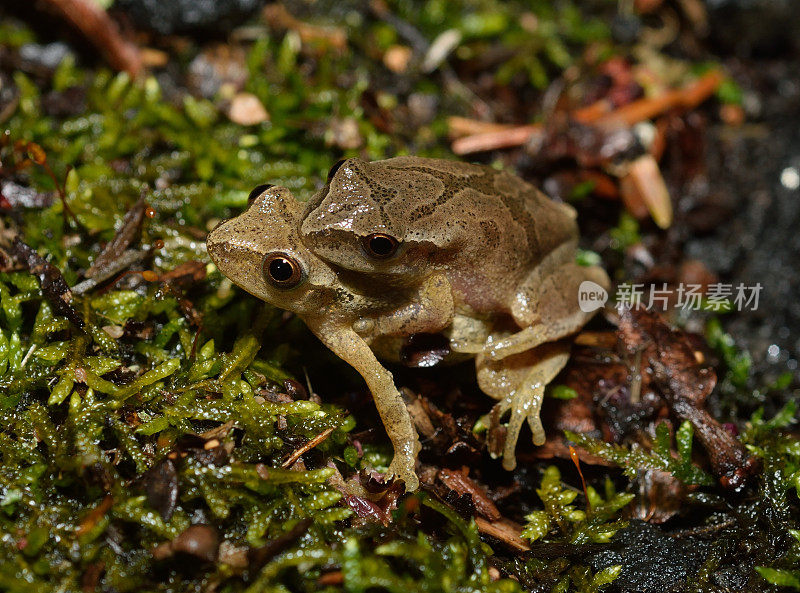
{"type": "Point", "coordinates": [484, 258]}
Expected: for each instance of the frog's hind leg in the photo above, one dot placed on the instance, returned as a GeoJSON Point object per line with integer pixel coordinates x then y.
{"type": "Point", "coordinates": [518, 381]}
{"type": "Point", "coordinates": [547, 309]}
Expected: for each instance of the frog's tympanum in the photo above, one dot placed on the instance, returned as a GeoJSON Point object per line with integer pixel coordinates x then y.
{"type": "Point", "coordinates": [406, 246]}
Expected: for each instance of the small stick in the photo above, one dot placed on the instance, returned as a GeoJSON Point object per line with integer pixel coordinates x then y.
{"type": "Point", "coordinates": [597, 114]}
{"type": "Point", "coordinates": [685, 98]}
{"type": "Point", "coordinates": [505, 531]}
{"type": "Point", "coordinates": [95, 515]}
{"type": "Point", "coordinates": [129, 257]}
{"type": "Point", "coordinates": [507, 138]}
{"type": "Point", "coordinates": [100, 30]}
{"type": "Point", "coordinates": [459, 127]}
{"type": "Point", "coordinates": [278, 15]}
{"type": "Point", "coordinates": [307, 447]}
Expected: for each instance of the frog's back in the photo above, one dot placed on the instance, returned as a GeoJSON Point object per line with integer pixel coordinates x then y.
{"type": "Point", "coordinates": [486, 229]}
{"type": "Point", "coordinates": [517, 223]}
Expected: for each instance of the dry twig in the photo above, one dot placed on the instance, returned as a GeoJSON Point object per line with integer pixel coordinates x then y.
{"type": "Point", "coordinates": [95, 24]}
{"type": "Point", "coordinates": [597, 114]}
{"type": "Point", "coordinates": [307, 447]}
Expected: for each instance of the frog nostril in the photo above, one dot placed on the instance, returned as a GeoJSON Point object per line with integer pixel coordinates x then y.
{"type": "Point", "coordinates": [216, 226]}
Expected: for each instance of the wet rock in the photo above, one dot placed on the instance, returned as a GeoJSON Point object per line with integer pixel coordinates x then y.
{"type": "Point", "coordinates": [200, 541]}
{"type": "Point", "coordinates": [35, 56]}
{"type": "Point", "coordinates": [189, 16]}
{"type": "Point", "coordinates": [651, 560]}
{"type": "Point", "coordinates": [424, 350]}
{"type": "Point", "coordinates": [755, 27]}
{"type": "Point", "coordinates": [758, 243]}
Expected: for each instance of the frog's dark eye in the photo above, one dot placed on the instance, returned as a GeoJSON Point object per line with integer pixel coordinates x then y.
{"type": "Point", "coordinates": [380, 245]}
{"type": "Point", "coordinates": [282, 270]}
{"type": "Point", "coordinates": [257, 191]}
{"type": "Point", "coordinates": [335, 168]}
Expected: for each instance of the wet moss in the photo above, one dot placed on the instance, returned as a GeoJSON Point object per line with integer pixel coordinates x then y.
{"type": "Point", "coordinates": [167, 407]}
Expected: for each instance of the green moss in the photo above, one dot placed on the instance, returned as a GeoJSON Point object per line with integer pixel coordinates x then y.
{"type": "Point", "coordinates": [88, 415]}
{"type": "Point", "coordinates": [634, 458]}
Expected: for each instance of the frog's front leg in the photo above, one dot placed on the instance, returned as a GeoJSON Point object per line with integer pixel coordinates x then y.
{"type": "Point", "coordinates": [547, 309]}
{"type": "Point", "coordinates": [518, 381]}
{"type": "Point", "coordinates": [429, 310]}
{"type": "Point", "coordinates": [351, 348]}
{"type": "Point", "coordinates": [468, 333]}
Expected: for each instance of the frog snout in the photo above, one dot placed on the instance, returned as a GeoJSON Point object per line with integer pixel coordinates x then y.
{"type": "Point", "coordinates": [221, 242]}
{"type": "Point", "coordinates": [214, 241]}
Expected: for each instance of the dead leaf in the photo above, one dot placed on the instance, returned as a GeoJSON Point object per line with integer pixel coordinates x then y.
{"type": "Point", "coordinates": [246, 109]}
{"type": "Point", "coordinates": [397, 57]}
{"type": "Point", "coordinates": [161, 486]}
{"type": "Point", "coordinates": [54, 288]}
{"type": "Point", "coordinates": [644, 191]}
{"type": "Point", "coordinates": [685, 384]}
{"type": "Point", "coordinates": [463, 484]}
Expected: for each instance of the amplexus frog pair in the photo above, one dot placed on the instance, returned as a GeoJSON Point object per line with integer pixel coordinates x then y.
{"type": "Point", "coordinates": [410, 245]}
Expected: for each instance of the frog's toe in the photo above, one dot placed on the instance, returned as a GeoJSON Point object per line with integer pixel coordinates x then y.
{"type": "Point", "coordinates": [529, 371]}
{"type": "Point", "coordinates": [525, 404]}
{"type": "Point", "coordinates": [510, 447]}
{"type": "Point", "coordinates": [402, 468]}
{"type": "Point", "coordinates": [537, 430]}
{"type": "Point", "coordinates": [519, 342]}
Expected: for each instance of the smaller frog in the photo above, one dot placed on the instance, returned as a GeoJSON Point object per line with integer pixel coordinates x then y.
{"type": "Point", "coordinates": [260, 250]}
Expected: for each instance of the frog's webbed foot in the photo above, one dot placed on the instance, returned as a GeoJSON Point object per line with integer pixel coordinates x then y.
{"type": "Point", "coordinates": [518, 381]}
{"type": "Point", "coordinates": [524, 404]}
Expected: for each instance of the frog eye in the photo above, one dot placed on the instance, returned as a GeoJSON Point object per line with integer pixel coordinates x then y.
{"type": "Point", "coordinates": [335, 168]}
{"type": "Point", "coordinates": [380, 245]}
{"type": "Point", "coordinates": [257, 191]}
{"type": "Point", "coordinates": [282, 270]}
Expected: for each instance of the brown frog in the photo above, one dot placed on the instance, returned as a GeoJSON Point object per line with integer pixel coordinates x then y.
{"type": "Point", "coordinates": [410, 245]}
